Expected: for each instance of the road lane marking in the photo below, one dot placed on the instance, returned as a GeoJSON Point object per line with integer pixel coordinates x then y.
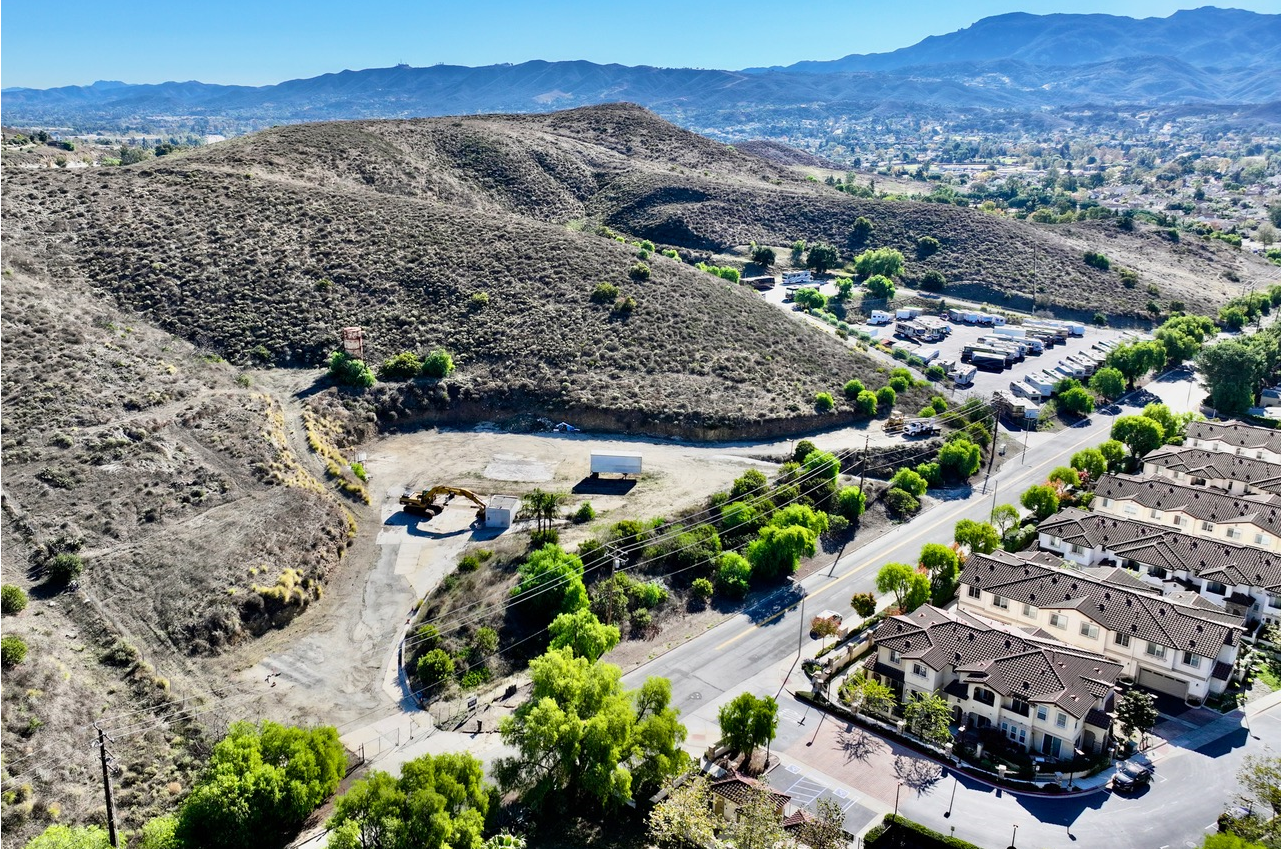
{"type": "Point", "coordinates": [961, 508]}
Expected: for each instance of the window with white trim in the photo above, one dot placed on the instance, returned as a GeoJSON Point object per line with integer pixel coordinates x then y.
{"type": "Point", "coordinates": [1189, 659]}
{"type": "Point", "coordinates": [1042, 713]}
{"type": "Point", "coordinates": [895, 657]}
{"type": "Point", "coordinates": [974, 592]}
{"type": "Point", "coordinates": [1260, 539]}
{"type": "Point", "coordinates": [1029, 611]}
{"type": "Point", "coordinates": [1061, 720]}
{"type": "Point", "coordinates": [1089, 629]}
{"type": "Point", "coordinates": [1234, 533]}
{"type": "Point", "coordinates": [1058, 620]}
{"type": "Point", "coordinates": [1154, 513]}
{"type": "Point", "coordinates": [1208, 527]}
{"type": "Point", "coordinates": [1216, 588]}
{"type": "Point", "coordinates": [1121, 639]}
{"type": "Point", "coordinates": [1131, 510]}
{"type": "Point", "coordinates": [919, 671]}
{"type": "Point", "coordinates": [1177, 521]}
{"type": "Point", "coordinates": [1156, 650]}
{"type": "Point", "coordinates": [1003, 603]}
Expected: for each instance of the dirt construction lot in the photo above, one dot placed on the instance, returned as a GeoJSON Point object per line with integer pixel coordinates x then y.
{"type": "Point", "coordinates": [337, 663]}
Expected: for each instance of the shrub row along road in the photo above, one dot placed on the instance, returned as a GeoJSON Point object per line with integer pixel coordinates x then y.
{"type": "Point", "coordinates": [757, 649]}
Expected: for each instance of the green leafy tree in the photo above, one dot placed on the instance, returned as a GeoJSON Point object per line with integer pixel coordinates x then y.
{"type": "Point", "coordinates": [757, 823]}
{"type": "Point", "coordinates": [821, 465]}
{"type": "Point", "coordinates": [909, 587]}
{"type": "Point", "coordinates": [551, 583]}
{"type": "Point", "coordinates": [933, 281]}
{"type": "Point", "coordinates": [13, 600]}
{"type": "Point", "coordinates": [860, 232]}
{"type": "Point", "coordinates": [1065, 476]}
{"type": "Point", "coordinates": [803, 449]}
{"type": "Point", "coordinates": [928, 717]}
{"type": "Point", "coordinates": [978, 537]}
{"type": "Point", "coordinates": [438, 802]}
{"type": "Point", "coordinates": [821, 257]}
{"type": "Point", "coordinates": [900, 502]}
{"type": "Point", "coordinates": [909, 481]}
{"type": "Point", "coordinates": [1136, 360]}
{"type": "Point", "coordinates": [810, 299]}
{"type": "Point", "coordinates": [262, 783]}
{"type": "Point", "coordinates": [778, 550]}
{"type": "Point", "coordinates": [927, 246]}
{"type": "Point", "coordinates": [885, 398]}
{"type": "Point", "coordinates": [943, 566]}
{"type": "Point", "coordinates": [1173, 425]}
{"type": "Point", "coordinates": [959, 459]}
{"type": "Point", "coordinates": [1139, 434]}
{"type": "Point", "coordinates": [1076, 402]}
{"type": "Point", "coordinates": [747, 722]}
{"type": "Point", "coordinates": [346, 370]}
{"type": "Point", "coordinates": [402, 366]}
{"type": "Point", "coordinates": [1260, 779]}
{"type": "Point", "coordinates": [801, 515]}
{"type": "Point", "coordinates": [762, 255]}
{"type": "Point", "coordinates": [1137, 713]}
{"type": "Point", "coordinates": [733, 574]}
{"type": "Point", "coordinates": [827, 830]}
{"type": "Point", "coordinates": [439, 363]}
{"type": "Point", "coordinates": [864, 604]}
{"type": "Point", "coordinates": [751, 483]}
{"type": "Point", "coordinates": [1042, 500]}
{"type": "Point", "coordinates": [434, 667]}
{"type": "Point", "coordinates": [867, 695]}
{"type": "Point", "coordinates": [880, 286]}
{"type": "Point", "coordinates": [1232, 369]}
{"type": "Point", "coordinates": [160, 833]}
{"type": "Point", "coordinates": [542, 506]}
{"type": "Point", "coordinates": [853, 389]}
{"type": "Point", "coordinates": [71, 837]}
{"type": "Point", "coordinates": [1091, 463]}
{"type": "Point", "coordinates": [1004, 517]}
{"type": "Point", "coordinates": [702, 589]}
{"type": "Point", "coordinates": [582, 632]}
{"type": "Point", "coordinates": [1114, 453]}
{"type": "Point", "coordinates": [851, 502]}
{"type": "Point", "coordinates": [865, 404]}
{"type": "Point", "coordinates": [684, 820]}
{"type": "Point", "coordinates": [824, 403]}
{"type": "Point", "coordinates": [582, 737]}
{"type": "Point", "coordinates": [886, 262]}
{"type": "Point", "coordinates": [740, 517]}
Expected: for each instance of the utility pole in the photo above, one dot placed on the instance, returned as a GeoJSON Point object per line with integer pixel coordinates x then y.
{"type": "Point", "coordinates": [106, 788]}
{"type": "Point", "coordinates": [867, 440]}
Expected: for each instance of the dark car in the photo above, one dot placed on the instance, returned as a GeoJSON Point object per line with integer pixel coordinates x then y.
{"type": "Point", "coordinates": [1130, 777]}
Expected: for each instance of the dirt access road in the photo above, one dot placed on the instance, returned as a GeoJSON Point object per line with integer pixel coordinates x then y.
{"type": "Point", "coordinates": [337, 662]}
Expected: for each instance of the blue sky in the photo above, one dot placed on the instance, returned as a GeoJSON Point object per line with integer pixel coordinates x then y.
{"type": "Point", "coordinates": [258, 42]}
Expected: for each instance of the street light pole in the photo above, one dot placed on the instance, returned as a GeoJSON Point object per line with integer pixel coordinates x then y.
{"type": "Point", "coordinates": [1013, 836]}
{"type": "Point", "coordinates": [896, 792]}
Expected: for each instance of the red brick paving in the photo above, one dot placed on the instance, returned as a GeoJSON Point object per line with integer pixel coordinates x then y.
{"type": "Point", "coordinates": [860, 759]}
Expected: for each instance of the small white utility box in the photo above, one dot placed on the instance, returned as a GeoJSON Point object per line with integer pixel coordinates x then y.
{"type": "Point", "coordinates": [501, 511]}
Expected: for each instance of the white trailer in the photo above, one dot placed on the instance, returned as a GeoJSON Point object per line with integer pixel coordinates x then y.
{"type": "Point", "coordinates": [880, 317]}
{"type": "Point", "coordinates": [907, 312]}
{"type": "Point", "coordinates": [1017, 332]}
{"type": "Point", "coordinates": [963, 375]}
{"type": "Point", "coordinates": [615, 463]}
{"type": "Point", "coordinates": [928, 355]}
{"type": "Point", "coordinates": [1042, 383]}
{"type": "Point", "coordinates": [797, 278]}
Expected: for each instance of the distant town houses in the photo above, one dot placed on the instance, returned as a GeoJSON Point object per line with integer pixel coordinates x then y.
{"type": "Point", "coordinates": [1196, 509]}
{"type": "Point", "coordinates": [1183, 645]}
{"type": "Point", "coordinates": [1044, 695]}
{"type": "Point", "coordinates": [1262, 443]}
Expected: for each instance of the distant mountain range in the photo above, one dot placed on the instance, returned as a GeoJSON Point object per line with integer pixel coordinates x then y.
{"type": "Point", "coordinates": [1009, 62]}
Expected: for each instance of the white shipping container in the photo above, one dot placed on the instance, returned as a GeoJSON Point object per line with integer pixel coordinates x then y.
{"type": "Point", "coordinates": [615, 463]}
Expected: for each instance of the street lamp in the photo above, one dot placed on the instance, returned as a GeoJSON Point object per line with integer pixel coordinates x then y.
{"type": "Point", "coordinates": [1072, 775]}
{"type": "Point", "coordinates": [1014, 835]}
{"type": "Point", "coordinates": [800, 636]}
{"type": "Point", "coordinates": [896, 792]}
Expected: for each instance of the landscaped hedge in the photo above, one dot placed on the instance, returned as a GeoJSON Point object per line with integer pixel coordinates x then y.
{"type": "Point", "coordinates": [905, 833]}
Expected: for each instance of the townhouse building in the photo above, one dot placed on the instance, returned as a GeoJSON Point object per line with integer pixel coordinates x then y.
{"type": "Point", "coordinates": [1261, 443]}
{"type": "Point", "coordinates": [1252, 519]}
{"type": "Point", "coordinates": [1180, 645]}
{"type": "Point", "coordinates": [1231, 473]}
{"type": "Point", "coordinates": [1243, 580]}
{"type": "Point", "coordinates": [1042, 694]}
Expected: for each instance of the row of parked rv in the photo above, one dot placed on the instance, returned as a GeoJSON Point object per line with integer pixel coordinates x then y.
{"type": "Point", "coordinates": [1039, 386]}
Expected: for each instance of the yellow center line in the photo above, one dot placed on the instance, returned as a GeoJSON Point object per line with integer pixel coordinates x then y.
{"type": "Point", "coordinates": [855, 571]}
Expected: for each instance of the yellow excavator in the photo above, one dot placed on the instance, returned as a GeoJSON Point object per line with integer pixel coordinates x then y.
{"type": "Point", "coordinates": [425, 503]}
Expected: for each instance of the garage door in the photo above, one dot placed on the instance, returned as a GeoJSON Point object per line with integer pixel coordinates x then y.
{"type": "Point", "coordinates": [1163, 683]}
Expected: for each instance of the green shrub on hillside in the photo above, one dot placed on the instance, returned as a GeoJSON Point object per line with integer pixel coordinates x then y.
{"type": "Point", "coordinates": [604, 293]}
{"type": "Point", "coordinates": [403, 366]}
{"type": "Point", "coordinates": [13, 599]}
{"type": "Point", "coordinates": [439, 363]}
{"type": "Point", "coordinates": [346, 370]}
{"type": "Point", "coordinates": [13, 650]}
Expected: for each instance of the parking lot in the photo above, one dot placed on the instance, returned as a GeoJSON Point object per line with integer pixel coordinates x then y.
{"type": "Point", "coordinates": [988, 382]}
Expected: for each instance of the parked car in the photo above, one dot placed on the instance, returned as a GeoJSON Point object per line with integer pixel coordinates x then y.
{"type": "Point", "coordinates": [1130, 777]}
